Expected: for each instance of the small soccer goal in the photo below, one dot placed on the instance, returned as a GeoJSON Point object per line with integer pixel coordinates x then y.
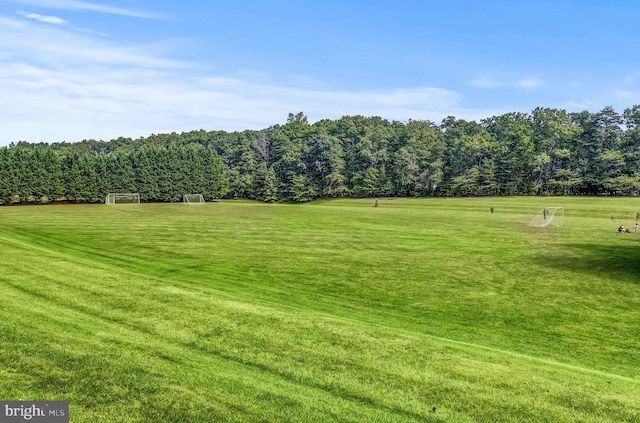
{"type": "Point", "coordinates": [547, 216]}
{"type": "Point", "coordinates": [193, 199]}
{"type": "Point", "coordinates": [122, 198]}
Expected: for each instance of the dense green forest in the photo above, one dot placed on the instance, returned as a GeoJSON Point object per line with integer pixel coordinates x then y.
{"type": "Point", "coordinates": [545, 152]}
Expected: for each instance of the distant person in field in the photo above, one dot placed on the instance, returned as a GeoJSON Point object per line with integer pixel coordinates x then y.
{"type": "Point", "coordinates": [635, 228]}
{"type": "Point", "coordinates": [491, 210]}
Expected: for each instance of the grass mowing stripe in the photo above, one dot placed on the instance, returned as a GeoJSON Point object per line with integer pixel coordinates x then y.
{"type": "Point", "coordinates": [393, 329]}
{"type": "Point", "coordinates": [51, 309]}
{"type": "Point", "coordinates": [43, 306]}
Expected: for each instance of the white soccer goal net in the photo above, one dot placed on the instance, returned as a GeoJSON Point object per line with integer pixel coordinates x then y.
{"type": "Point", "coordinates": [122, 198]}
{"type": "Point", "coordinates": [546, 216]}
{"type": "Point", "coordinates": [192, 199]}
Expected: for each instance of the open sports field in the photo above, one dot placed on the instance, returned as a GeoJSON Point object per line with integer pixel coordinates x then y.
{"type": "Point", "coordinates": [415, 310]}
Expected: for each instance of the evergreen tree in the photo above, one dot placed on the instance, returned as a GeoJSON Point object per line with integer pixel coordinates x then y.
{"type": "Point", "coordinates": [265, 186]}
{"type": "Point", "coordinates": [8, 176]}
{"type": "Point", "coordinates": [214, 176]}
{"type": "Point", "coordinates": [515, 155]}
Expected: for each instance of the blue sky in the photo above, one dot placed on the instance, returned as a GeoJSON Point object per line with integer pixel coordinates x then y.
{"type": "Point", "coordinates": [76, 69]}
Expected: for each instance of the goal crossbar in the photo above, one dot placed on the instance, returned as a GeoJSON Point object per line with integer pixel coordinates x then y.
{"type": "Point", "coordinates": [546, 215]}
{"type": "Point", "coordinates": [122, 198]}
{"type": "Point", "coordinates": [193, 199]}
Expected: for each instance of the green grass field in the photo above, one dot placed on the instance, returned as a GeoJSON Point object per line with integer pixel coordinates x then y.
{"type": "Point", "coordinates": [416, 310]}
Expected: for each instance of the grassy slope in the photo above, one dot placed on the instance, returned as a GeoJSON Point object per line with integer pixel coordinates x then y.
{"type": "Point", "coordinates": [334, 311]}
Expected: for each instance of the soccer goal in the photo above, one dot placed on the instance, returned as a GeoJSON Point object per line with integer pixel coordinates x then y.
{"type": "Point", "coordinates": [192, 199]}
{"type": "Point", "coordinates": [545, 216]}
{"type": "Point", "coordinates": [122, 198]}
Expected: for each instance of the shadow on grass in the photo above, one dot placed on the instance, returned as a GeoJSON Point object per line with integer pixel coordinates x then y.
{"type": "Point", "coordinates": [612, 260]}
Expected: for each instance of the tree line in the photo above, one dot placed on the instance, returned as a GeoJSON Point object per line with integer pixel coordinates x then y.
{"type": "Point", "coordinates": [41, 174]}
{"type": "Point", "coordinates": [545, 152]}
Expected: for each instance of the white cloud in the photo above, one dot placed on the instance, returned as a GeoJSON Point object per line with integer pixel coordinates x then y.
{"type": "Point", "coordinates": [73, 104]}
{"type": "Point", "coordinates": [46, 19]}
{"type": "Point", "coordinates": [484, 82]}
{"type": "Point", "coordinates": [527, 83]}
{"type": "Point", "coordinates": [91, 7]}
{"type": "Point", "coordinates": [65, 86]}
{"type": "Point", "coordinates": [27, 42]}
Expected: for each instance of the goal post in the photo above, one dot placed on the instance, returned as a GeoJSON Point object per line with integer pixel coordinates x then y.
{"type": "Point", "coordinates": [122, 198]}
{"type": "Point", "coordinates": [193, 199]}
{"type": "Point", "coordinates": [546, 215]}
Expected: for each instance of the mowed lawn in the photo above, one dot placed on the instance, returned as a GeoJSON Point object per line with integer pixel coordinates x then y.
{"type": "Point", "coordinates": [415, 310]}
